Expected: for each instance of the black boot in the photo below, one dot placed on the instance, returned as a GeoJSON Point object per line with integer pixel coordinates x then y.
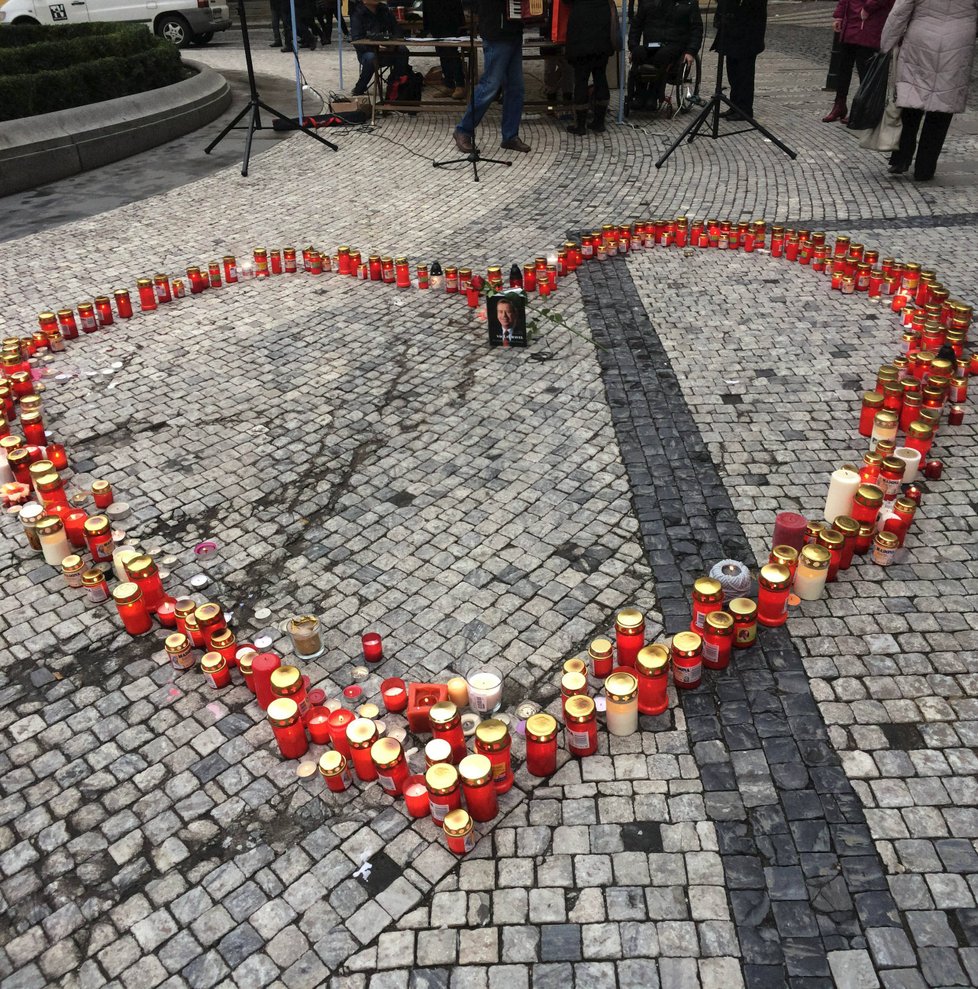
{"type": "Point", "coordinates": [597, 124]}
{"type": "Point", "coordinates": [579, 126]}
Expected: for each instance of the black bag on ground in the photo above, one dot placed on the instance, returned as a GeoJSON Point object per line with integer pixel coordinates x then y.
{"type": "Point", "coordinates": [405, 89]}
{"type": "Point", "coordinates": [870, 99]}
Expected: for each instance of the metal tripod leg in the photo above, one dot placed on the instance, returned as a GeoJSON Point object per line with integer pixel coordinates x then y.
{"type": "Point", "coordinates": [230, 127]}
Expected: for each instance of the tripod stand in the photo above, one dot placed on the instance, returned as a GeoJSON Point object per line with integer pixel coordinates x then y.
{"type": "Point", "coordinates": [474, 156]}
{"type": "Point", "coordinates": [255, 106]}
{"type": "Point", "coordinates": [712, 109]}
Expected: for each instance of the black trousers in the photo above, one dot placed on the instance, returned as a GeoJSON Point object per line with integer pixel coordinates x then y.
{"type": "Point", "coordinates": [659, 58]}
{"type": "Point", "coordinates": [585, 70]}
{"type": "Point", "coordinates": [740, 75]}
{"type": "Point", "coordinates": [452, 69]}
{"type": "Point", "coordinates": [931, 141]}
{"type": "Point", "coordinates": [851, 55]}
{"type": "Point", "coordinates": [277, 20]}
{"type": "Point", "coordinates": [369, 60]}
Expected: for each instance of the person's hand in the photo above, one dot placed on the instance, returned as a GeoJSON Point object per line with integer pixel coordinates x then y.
{"type": "Point", "coordinates": [862, 14]}
{"type": "Point", "coordinates": [688, 59]}
{"type": "Point", "coordinates": [837, 25]}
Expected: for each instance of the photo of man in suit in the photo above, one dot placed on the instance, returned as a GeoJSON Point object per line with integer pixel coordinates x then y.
{"type": "Point", "coordinates": [507, 321]}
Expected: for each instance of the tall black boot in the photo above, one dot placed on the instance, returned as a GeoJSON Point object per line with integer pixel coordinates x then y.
{"type": "Point", "coordinates": [597, 124]}
{"type": "Point", "coordinates": [579, 126]}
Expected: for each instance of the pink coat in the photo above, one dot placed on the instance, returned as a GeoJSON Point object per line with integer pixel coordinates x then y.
{"type": "Point", "coordinates": [855, 30]}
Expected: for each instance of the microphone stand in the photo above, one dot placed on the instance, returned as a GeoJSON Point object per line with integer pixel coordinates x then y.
{"type": "Point", "coordinates": [712, 108]}
{"type": "Point", "coordinates": [255, 105]}
{"type": "Point", "coordinates": [474, 156]}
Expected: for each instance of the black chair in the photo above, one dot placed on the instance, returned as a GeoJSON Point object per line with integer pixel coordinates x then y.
{"type": "Point", "coordinates": [682, 85]}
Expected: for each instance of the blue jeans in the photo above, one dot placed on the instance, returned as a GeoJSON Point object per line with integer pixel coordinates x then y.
{"type": "Point", "coordinates": [369, 60]}
{"type": "Point", "coordinates": [503, 70]}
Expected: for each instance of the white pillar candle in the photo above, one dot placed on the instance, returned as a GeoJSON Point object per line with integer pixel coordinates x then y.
{"type": "Point", "coordinates": [813, 568]}
{"type": "Point", "coordinates": [842, 486]}
{"type": "Point", "coordinates": [120, 557]}
{"type": "Point", "coordinates": [6, 474]}
{"type": "Point", "coordinates": [621, 703]}
{"type": "Point", "coordinates": [911, 460]}
{"type": "Point", "coordinates": [54, 542]}
{"type": "Point", "coordinates": [485, 690]}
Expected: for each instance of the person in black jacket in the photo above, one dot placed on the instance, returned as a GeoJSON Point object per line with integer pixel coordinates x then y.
{"type": "Point", "coordinates": [502, 48]}
{"type": "Point", "coordinates": [662, 32]}
{"type": "Point", "coordinates": [589, 46]}
{"type": "Point", "coordinates": [741, 25]}
{"type": "Point", "coordinates": [444, 19]}
{"type": "Point", "coordinates": [371, 19]}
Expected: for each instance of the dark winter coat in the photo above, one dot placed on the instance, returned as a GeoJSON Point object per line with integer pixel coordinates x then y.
{"type": "Point", "coordinates": [378, 23]}
{"type": "Point", "coordinates": [740, 29]}
{"type": "Point", "coordinates": [589, 30]}
{"type": "Point", "coordinates": [669, 22]}
{"type": "Point", "coordinates": [494, 25]}
{"type": "Point", "coordinates": [855, 30]}
{"type": "Point", "coordinates": [444, 18]}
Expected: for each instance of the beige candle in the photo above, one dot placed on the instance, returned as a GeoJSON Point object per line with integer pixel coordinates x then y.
{"type": "Point", "coordinates": [458, 692]}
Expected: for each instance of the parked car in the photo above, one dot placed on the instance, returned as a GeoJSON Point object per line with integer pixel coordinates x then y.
{"type": "Point", "coordinates": [184, 22]}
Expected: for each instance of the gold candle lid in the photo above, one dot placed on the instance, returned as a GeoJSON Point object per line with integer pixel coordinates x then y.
{"type": "Point", "coordinates": [457, 823]}
{"type": "Point", "coordinates": [575, 665]}
{"type": "Point", "coordinates": [785, 555]}
{"type": "Point", "coordinates": [707, 587]}
{"type": "Point", "coordinates": [475, 770]}
{"type": "Point", "coordinates": [816, 557]}
{"type": "Point", "coordinates": [141, 566]}
{"type": "Point", "coordinates": [869, 493]}
{"type": "Point", "coordinates": [283, 711]}
{"type": "Point", "coordinates": [778, 577]}
{"type": "Point", "coordinates": [207, 613]}
{"type": "Point", "coordinates": [493, 734]}
{"type": "Point", "coordinates": [438, 750]}
{"type": "Point", "coordinates": [541, 727]}
{"type": "Point", "coordinates": [211, 662]}
{"type": "Point", "coordinates": [92, 578]}
{"type": "Point", "coordinates": [579, 708]}
{"type": "Point", "coordinates": [689, 643]}
{"type": "Point", "coordinates": [441, 778]}
{"type": "Point", "coordinates": [630, 618]}
{"type": "Point", "coordinates": [386, 752]}
{"type": "Point", "coordinates": [360, 732]}
{"type": "Point", "coordinates": [721, 621]}
{"type": "Point", "coordinates": [887, 540]}
{"type": "Point", "coordinates": [846, 525]}
{"type": "Point", "coordinates": [72, 564]}
{"type": "Point", "coordinates": [126, 592]}
{"type": "Point", "coordinates": [651, 660]}
{"type": "Point", "coordinates": [573, 683]}
{"type": "Point", "coordinates": [284, 677]}
{"type": "Point", "coordinates": [600, 648]}
{"type": "Point", "coordinates": [176, 642]}
{"type": "Point", "coordinates": [96, 525]}
{"type": "Point", "coordinates": [621, 687]}
{"type": "Point", "coordinates": [332, 763]}
{"type": "Point", "coordinates": [49, 526]}
{"type": "Point", "coordinates": [442, 713]}
{"type": "Point", "coordinates": [742, 608]}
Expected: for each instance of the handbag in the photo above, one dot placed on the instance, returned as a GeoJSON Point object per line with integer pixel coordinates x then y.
{"type": "Point", "coordinates": [870, 99]}
{"type": "Point", "coordinates": [885, 136]}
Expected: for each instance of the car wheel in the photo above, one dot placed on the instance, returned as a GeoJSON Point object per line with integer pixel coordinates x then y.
{"type": "Point", "coordinates": [174, 29]}
{"type": "Point", "coordinates": [26, 20]}
{"type": "Point", "coordinates": [202, 39]}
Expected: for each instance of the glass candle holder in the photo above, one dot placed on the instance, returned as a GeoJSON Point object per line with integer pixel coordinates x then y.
{"type": "Point", "coordinates": [304, 631]}
{"type": "Point", "coordinates": [459, 833]}
{"type": "Point", "coordinates": [178, 651]}
{"type": "Point", "coordinates": [53, 541]}
{"type": "Point", "coordinates": [394, 692]}
{"type": "Point", "coordinates": [335, 770]}
{"type": "Point", "coordinates": [287, 681]}
{"type": "Point", "coordinates": [629, 635]}
{"type": "Point", "coordinates": [143, 572]}
{"type": "Point", "coordinates": [444, 791]}
{"type": "Point", "coordinates": [581, 729]}
{"type": "Point", "coordinates": [437, 751]}
{"type": "Point", "coordinates": [849, 528]}
{"type": "Point", "coordinates": [621, 693]}
{"type": "Point", "coordinates": [287, 726]}
{"type": "Point", "coordinates": [446, 723]}
{"type": "Point", "coordinates": [475, 771]}
{"type": "Point", "coordinates": [416, 796]}
{"type": "Point", "coordinates": [812, 572]}
{"type": "Point", "coordinates": [317, 724]}
{"type": "Point", "coordinates": [707, 597]}
{"type": "Point", "coordinates": [361, 733]}
{"type": "Point", "coordinates": [373, 648]}
{"type": "Point", "coordinates": [885, 546]}
{"type": "Point", "coordinates": [129, 602]}
{"type": "Point", "coordinates": [652, 671]}
{"type": "Point", "coordinates": [718, 639]}
{"type": "Point", "coordinates": [492, 739]}
{"type": "Point", "coordinates": [686, 652]}
{"type": "Point", "coordinates": [774, 585]}
{"type": "Point", "coordinates": [541, 745]}
{"type": "Point", "coordinates": [485, 686]}
{"type": "Point", "coordinates": [392, 768]}
{"type": "Point", "coordinates": [744, 613]}
{"type": "Point", "coordinates": [338, 722]}
{"type": "Point", "coordinates": [215, 669]}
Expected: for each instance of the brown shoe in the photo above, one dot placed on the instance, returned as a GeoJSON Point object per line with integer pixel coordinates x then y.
{"type": "Point", "coordinates": [464, 142]}
{"type": "Point", "coordinates": [515, 144]}
{"type": "Point", "coordinates": [458, 93]}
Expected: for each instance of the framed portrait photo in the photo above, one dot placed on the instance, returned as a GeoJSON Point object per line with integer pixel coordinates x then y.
{"type": "Point", "coordinates": [507, 319]}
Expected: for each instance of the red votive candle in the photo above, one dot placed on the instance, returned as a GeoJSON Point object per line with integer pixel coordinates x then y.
{"type": "Point", "coordinates": [933, 470]}
{"type": "Point", "coordinates": [652, 671]}
{"type": "Point", "coordinates": [147, 294]}
{"type": "Point", "coordinates": [416, 796]}
{"type": "Point", "coordinates": [263, 666]}
{"type": "Point", "coordinates": [317, 722]}
{"type": "Point", "coordinates": [144, 573]}
{"type": "Point", "coordinates": [600, 652]}
{"type": "Point", "coordinates": [392, 768]}
{"type": "Point", "coordinates": [718, 638]}
{"type": "Point", "coordinates": [541, 745]}
{"type": "Point", "coordinates": [581, 727]}
{"type": "Point", "coordinates": [74, 521]}
{"type": "Point", "coordinates": [361, 733]}
{"type": "Point", "coordinates": [337, 721]}
{"type": "Point", "coordinates": [446, 723]}
{"type": "Point", "coordinates": [335, 771]}
{"type": "Point", "coordinates": [394, 692]}
{"type": "Point", "coordinates": [373, 648]}
{"type": "Point", "coordinates": [166, 613]}
{"type": "Point", "coordinates": [774, 585]}
{"type": "Point", "coordinates": [629, 635]}
{"type": "Point", "coordinates": [57, 455]}
{"type": "Point", "coordinates": [492, 740]}
{"type": "Point", "coordinates": [789, 530]}
{"type": "Point", "coordinates": [102, 493]}
{"type": "Point", "coordinates": [687, 660]}
{"type": "Point", "coordinates": [215, 668]}
{"type": "Point", "coordinates": [707, 597]}
{"type": "Point", "coordinates": [283, 715]}
{"type": "Point", "coordinates": [129, 601]}
{"type": "Point", "coordinates": [480, 795]}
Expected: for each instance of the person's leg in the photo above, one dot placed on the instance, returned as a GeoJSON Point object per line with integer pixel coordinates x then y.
{"type": "Point", "coordinates": [661, 58]}
{"type": "Point", "coordinates": [495, 55]}
{"type": "Point", "coordinates": [847, 59]}
{"type": "Point", "coordinates": [276, 10]}
{"type": "Point", "coordinates": [400, 61]}
{"type": "Point", "coordinates": [457, 68]}
{"type": "Point", "coordinates": [368, 65]}
{"type": "Point", "coordinates": [601, 95]}
{"type": "Point", "coordinates": [932, 137]}
{"type": "Point", "coordinates": [512, 91]}
{"type": "Point", "coordinates": [910, 124]}
{"type": "Point", "coordinates": [327, 13]}
{"type": "Point", "coordinates": [581, 73]}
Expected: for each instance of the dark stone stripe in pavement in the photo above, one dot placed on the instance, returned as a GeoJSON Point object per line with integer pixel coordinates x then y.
{"type": "Point", "coordinates": [891, 223]}
{"type": "Point", "coordinates": [803, 874]}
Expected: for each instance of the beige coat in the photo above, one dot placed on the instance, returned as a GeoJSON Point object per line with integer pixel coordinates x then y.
{"type": "Point", "coordinates": [937, 39]}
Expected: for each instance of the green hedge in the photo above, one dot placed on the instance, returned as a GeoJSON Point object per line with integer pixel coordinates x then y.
{"type": "Point", "coordinates": [78, 64]}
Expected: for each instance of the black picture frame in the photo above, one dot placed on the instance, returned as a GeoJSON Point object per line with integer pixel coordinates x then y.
{"type": "Point", "coordinates": [507, 328]}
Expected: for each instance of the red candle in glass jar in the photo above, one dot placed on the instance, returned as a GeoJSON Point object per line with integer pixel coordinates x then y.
{"type": "Point", "coordinates": [317, 724]}
{"type": "Point", "coordinates": [102, 493]}
{"type": "Point", "coordinates": [335, 770]}
{"type": "Point", "coordinates": [33, 428]}
{"type": "Point", "coordinates": [866, 503]}
{"type": "Point", "coordinates": [86, 314]}
{"type": "Point", "coordinates": [275, 257]}
{"type": "Point", "coordinates": [774, 585]}
{"type": "Point", "coordinates": [707, 597]}
{"type": "Point", "coordinates": [231, 268]}
{"type": "Point", "coordinates": [283, 716]}
{"type": "Point", "coordinates": [373, 648]}
{"type": "Point", "coordinates": [955, 415]}
{"type": "Point", "coordinates": [287, 681]}
{"type": "Point", "coordinates": [849, 528]}
{"type": "Point", "coordinates": [144, 574]}
{"type": "Point", "coordinates": [224, 642]}
{"type": "Point", "coordinates": [718, 636]}
{"type": "Point", "coordinates": [75, 526]}
{"type": "Point", "coordinates": [493, 741]}
{"type": "Point", "coordinates": [459, 833]}
{"type": "Point", "coordinates": [572, 683]}
{"type": "Point", "coordinates": [786, 556]}
{"type": "Point", "coordinates": [744, 613]}
{"type": "Point", "coordinates": [361, 733]}
{"type": "Point", "coordinates": [214, 274]}
{"type": "Point", "coordinates": [652, 673]}
{"type": "Point", "coordinates": [123, 303]}
{"type": "Point", "coordinates": [147, 294]}
{"type": "Point", "coordinates": [402, 271]}
{"type": "Point", "coordinates": [66, 320]}
{"type": "Point", "coordinates": [338, 721]}
{"type": "Point", "coordinates": [444, 790]}
{"type": "Point", "coordinates": [601, 652]}
{"type": "Point", "coordinates": [166, 613]}
{"type": "Point", "coordinates": [129, 602]}
{"type": "Point", "coordinates": [687, 660]}
{"type": "Point", "coordinates": [629, 635]}
{"type": "Point", "coordinates": [415, 796]}
{"type": "Point", "coordinates": [541, 745]}
{"type": "Point", "coordinates": [581, 726]}
{"type": "Point", "coordinates": [98, 535]}
{"type": "Point", "coordinates": [390, 764]}
{"type": "Point", "coordinates": [215, 668]}
{"type": "Point", "coordinates": [56, 453]}
{"type": "Point", "coordinates": [395, 694]}
{"type": "Point", "coordinates": [446, 723]}
{"type": "Point", "coordinates": [262, 667]}
{"type": "Point", "coordinates": [475, 772]}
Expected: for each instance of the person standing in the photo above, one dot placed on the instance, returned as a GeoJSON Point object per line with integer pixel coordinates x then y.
{"type": "Point", "coordinates": [741, 25]}
{"type": "Point", "coordinates": [275, 6]}
{"type": "Point", "coordinates": [591, 40]}
{"type": "Point", "coordinates": [937, 45]}
{"type": "Point", "coordinates": [444, 19]}
{"type": "Point", "coordinates": [858, 26]}
{"type": "Point", "coordinates": [502, 49]}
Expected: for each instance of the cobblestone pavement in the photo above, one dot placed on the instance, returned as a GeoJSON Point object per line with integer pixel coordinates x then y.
{"type": "Point", "coordinates": [808, 818]}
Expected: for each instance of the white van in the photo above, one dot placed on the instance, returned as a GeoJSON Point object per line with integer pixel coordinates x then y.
{"type": "Point", "coordinates": [184, 22]}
